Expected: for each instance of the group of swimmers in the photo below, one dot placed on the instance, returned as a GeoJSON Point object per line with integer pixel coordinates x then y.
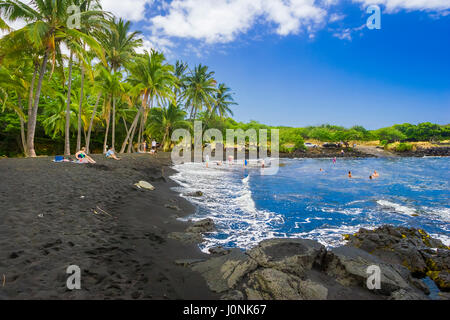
{"type": "Point", "coordinates": [261, 163]}
{"type": "Point", "coordinates": [373, 176]}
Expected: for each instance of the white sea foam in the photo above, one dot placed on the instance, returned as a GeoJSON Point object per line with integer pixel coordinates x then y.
{"type": "Point", "coordinates": [228, 201]}
{"type": "Point", "coordinates": [331, 237]}
{"type": "Point", "coordinates": [397, 207]}
{"type": "Point", "coordinates": [444, 238]}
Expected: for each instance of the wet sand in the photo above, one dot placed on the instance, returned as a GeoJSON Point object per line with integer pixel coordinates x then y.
{"type": "Point", "coordinates": [56, 215]}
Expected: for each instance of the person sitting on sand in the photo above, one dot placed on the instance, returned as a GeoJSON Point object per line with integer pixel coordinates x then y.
{"type": "Point", "coordinates": [82, 157]}
{"type": "Point", "coordinates": [112, 155]}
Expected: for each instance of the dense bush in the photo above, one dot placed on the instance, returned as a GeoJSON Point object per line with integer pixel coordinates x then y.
{"type": "Point", "coordinates": [404, 147]}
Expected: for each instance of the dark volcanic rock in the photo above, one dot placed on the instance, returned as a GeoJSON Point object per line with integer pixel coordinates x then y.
{"type": "Point", "coordinates": [296, 269]}
{"type": "Point", "coordinates": [429, 152]}
{"type": "Point", "coordinates": [326, 153]}
{"type": "Point", "coordinates": [223, 273]}
{"type": "Point", "coordinates": [196, 194]}
{"type": "Point", "coordinates": [202, 226]}
{"type": "Point", "coordinates": [411, 248]}
{"type": "Point", "coordinates": [293, 256]}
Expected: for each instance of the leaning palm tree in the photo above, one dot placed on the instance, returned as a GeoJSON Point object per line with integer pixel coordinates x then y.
{"type": "Point", "coordinates": [200, 90]}
{"type": "Point", "coordinates": [166, 120]}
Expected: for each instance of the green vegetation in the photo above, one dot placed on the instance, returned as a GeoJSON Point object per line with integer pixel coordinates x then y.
{"type": "Point", "coordinates": [404, 147]}
{"type": "Point", "coordinates": [63, 87]}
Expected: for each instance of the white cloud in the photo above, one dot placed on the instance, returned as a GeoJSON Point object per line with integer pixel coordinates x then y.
{"type": "Point", "coordinates": [336, 17]}
{"type": "Point", "coordinates": [347, 33]}
{"type": "Point", "coordinates": [222, 20]}
{"type": "Point", "coordinates": [133, 10]}
{"type": "Point", "coordinates": [160, 44]}
{"type": "Point", "coordinates": [396, 5]}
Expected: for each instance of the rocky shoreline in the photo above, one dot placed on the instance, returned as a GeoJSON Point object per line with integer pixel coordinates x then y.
{"type": "Point", "coordinates": [315, 153]}
{"type": "Point", "coordinates": [298, 269]}
{"type": "Point", "coordinates": [430, 152]}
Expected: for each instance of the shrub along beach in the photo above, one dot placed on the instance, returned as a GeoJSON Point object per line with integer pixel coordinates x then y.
{"type": "Point", "coordinates": [93, 86]}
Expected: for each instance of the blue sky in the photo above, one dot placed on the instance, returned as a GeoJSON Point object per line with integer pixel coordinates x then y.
{"type": "Point", "coordinates": [306, 62]}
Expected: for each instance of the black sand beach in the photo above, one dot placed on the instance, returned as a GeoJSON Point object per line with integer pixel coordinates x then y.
{"type": "Point", "coordinates": [56, 215]}
{"type": "Point", "coordinates": [130, 245]}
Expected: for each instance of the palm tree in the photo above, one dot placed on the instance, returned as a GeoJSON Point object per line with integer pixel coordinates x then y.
{"type": "Point", "coordinates": [113, 89]}
{"type": "Point", "coordinates": [180, 76]}
{"type": "Point", "coordinates": [154, 79]}
{"type": "Point", "coordinates": [76, 41]}
{"type": "Point", "coordinates": [223, 101]}
{"type": "Point", "coordinates": [119, 44]}
{"type": "Point", "coordinates": [95, 89]}
{"type": "Point", "coordinates": [200, 90]}
{"type": "Point", "coordinates": [166, 120]}
{"type": "Point", "coordinates": [89, 28]}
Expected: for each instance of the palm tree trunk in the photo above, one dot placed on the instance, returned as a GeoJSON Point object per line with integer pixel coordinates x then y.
{"type": "Point", "coordinates": [114, 125]}
{"type": "Point", "coordinates": [31, 94]}
{"type": "Point", "coordinates": [144, 118]}
{"type": "Point", "coordinates": [132, 129]}
{"type": "Point", "coordinates": [88, 139]}
{"type": "Point", "coordinates": [69, 92]}
{"type": "Point", "coordinates": [80, 108]}
{"type": "Point", "coordinates": [125, 124]}
{"type": "Point", "coordinates": [22, 128]}
{"type": "Point", "coordinates": [105, 143]}
{"type": "Point", "coordinates": [166, 135]}
{"type": "Point", "coordinates": [33, 117]}
{"type": "Point", "coordinates": [130, 143]}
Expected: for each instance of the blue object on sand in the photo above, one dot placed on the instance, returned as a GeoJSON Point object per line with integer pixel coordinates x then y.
{"type": "Point", "coordinates": [59, 159]}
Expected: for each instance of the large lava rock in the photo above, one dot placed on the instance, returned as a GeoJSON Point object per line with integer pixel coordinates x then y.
{"type": "Point", "coordinates": [411, 248]}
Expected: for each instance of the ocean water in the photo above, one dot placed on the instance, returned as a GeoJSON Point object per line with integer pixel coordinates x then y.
{"type": "Point", "coordinates": [249, 206]}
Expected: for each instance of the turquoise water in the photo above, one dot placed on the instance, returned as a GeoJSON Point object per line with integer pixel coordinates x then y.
{"type": "Point", "coordinates": [302, 201]}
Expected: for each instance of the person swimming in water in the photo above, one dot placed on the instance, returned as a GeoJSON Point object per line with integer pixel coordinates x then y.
{"type": "Point", "coordinates": [375, 174]}
{"type": "Point", "coordinates": [334, 160]}
{"type": "Point", "coordinates": [350, 174]}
